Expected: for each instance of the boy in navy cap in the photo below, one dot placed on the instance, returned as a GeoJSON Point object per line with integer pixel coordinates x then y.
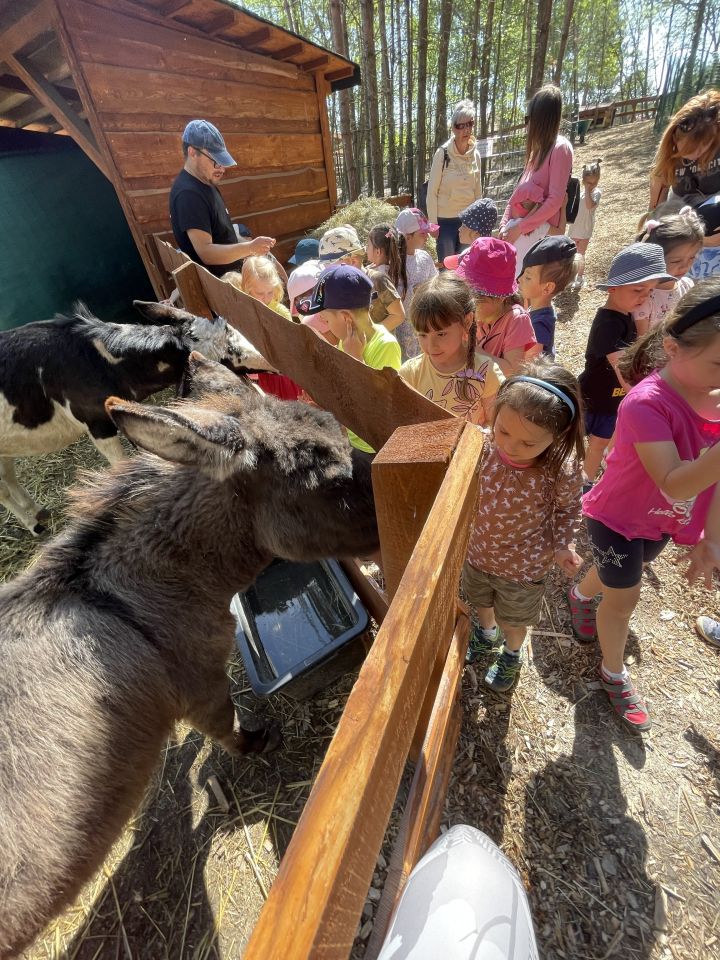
{"type": "Point", "coordinates": [341, 297]}
{"type": "Point", "coordinates": [548, 268]}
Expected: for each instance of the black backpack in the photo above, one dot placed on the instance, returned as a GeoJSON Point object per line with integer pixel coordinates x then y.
{"type": "Point", "coordinates": [573, 199]}
{"type": "Point", "coordinates": [422, 192]}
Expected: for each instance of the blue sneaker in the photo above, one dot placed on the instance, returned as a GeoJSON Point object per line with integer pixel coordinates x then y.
{"type": "Point", "coordinates": [504, 671]}
{"type": "Point", "coordinates": [482, 641]}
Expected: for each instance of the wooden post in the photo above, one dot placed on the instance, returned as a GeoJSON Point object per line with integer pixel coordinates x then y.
{"type": "Point", "coordinates": [188, 283]}
{"type": "Point", "coordinates": [322, 88]}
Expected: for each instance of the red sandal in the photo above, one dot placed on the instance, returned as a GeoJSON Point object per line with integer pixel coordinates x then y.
{"type": "Point", "coordinates": [627, 703]}
{"type": "Point", "coordinates": [582, 616]}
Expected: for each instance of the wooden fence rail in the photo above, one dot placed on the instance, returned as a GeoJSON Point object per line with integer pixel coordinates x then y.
{"type": "Point", "coordinates": [404, 705]}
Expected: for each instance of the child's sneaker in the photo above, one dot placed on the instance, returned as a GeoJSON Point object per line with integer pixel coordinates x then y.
{"type": "Point", "coordinates": [482, 641]}
{"type": "Point", "coordinates": [709, 630]}
{"type": "Point", "coordinates": [504, 671]}
{"type": "Point", "coordinates": [582, 615]}
{"type": "Point", "coordinates": [626, 702]}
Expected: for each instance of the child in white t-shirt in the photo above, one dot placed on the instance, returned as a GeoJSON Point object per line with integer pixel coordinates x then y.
{"type": "Point", "coordinates": [582, 229]}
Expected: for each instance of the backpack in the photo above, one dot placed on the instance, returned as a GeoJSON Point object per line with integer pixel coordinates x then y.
{"type": "Point", "coordinates": [573, 199]}
{"type": "Point", "coordinates": [422, 192]}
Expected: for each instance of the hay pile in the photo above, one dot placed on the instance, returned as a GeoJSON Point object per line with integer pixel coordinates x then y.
{"type": "Point", "coordinates": [364, 214]}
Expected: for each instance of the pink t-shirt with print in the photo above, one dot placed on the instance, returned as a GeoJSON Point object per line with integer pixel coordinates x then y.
{"type": "Point", "coordinates": [626, 499]}
{"type": "Point", "coordinates": [510, 331]}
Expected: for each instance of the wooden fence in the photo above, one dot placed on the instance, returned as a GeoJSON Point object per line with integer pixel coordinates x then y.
{"type": "Point", "coordinates": [404, 705]}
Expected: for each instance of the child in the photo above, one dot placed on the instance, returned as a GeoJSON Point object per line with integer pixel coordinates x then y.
{"type": "Point", "coordinates": [659, 482]}
{"type": "Point", "coordinates": [681, 237]}
{"type": "Point", "coordinates": [259, 279]}
{"type": "Point", "coordinates": [419, 265]}
{"type": "Point", "coordinates": [634, 272]}
{"type": "Point", "coordinates": [528, 512]}
{"type": "Point", "coordinates": [526, 199]}
{"type": "Point", "coordinates": [342, 297]}
{"type": "Point", "coordinates": [477, 220]}
{"type": "Point", "coordinates": [503, 327]}
{"type": "Point", "coordinates": [582, 229]}
{"type": "Point", "coordinates": [450, 371]}
{"type": "Point", "coordinates": [548, 268]}
{"type": "Point", "coordinates": [387, 252]}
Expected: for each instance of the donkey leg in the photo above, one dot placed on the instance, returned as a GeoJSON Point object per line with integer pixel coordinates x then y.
{"type": "Point", "coordinates": [215, 716]}
{"type": "Point", "coordinates": [110, 448]}
{"type": "Point", "coordinates": [17, 502]}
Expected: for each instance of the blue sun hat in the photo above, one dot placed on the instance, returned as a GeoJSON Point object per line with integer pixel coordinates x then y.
{"type": "Point", "coordinates": [637, 263]}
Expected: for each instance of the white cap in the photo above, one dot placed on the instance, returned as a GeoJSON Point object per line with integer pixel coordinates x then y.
{"type": "Point", "coordinates": [302, 280]}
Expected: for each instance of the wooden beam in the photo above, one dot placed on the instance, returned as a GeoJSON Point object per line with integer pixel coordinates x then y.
{"type": "Point", "coordinates": [373, 598]}
{"type": "Point", "coordinates": [46, 93]}
{"type": "Point", "coordinates": [317, 898]}
{"type": "Point", "coordinates": [255, 38]}
{"type": "Point", "coordinates": [285, 53]}
{"type": "Point", "coordinates": [16, 85]}
{"type": "Point", "coordinates": [219, 22]}
{"type": "Point", "coordinates": [322, 89]}
{"type": "Point", "coordinates": [35, 22]}
{"type": "Point", "coordinates": [188, 283]}
{"type": "Point", "coordinates": [314, 64]}
{"type": "Point", "coordinates": [341, 74]}
{"type": "Point", "coordinates": [172, 6]}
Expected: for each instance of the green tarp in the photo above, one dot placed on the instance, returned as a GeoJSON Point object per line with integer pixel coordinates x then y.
{"type": "Point", "coordinates": [63, 234]}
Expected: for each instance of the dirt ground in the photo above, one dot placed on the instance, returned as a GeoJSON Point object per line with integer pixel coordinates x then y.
{"type": "Point", "coordinates": [616, 837]}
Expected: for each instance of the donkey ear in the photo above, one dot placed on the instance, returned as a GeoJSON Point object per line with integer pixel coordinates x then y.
{"type": "Point", "coordinates": [200, 437]}
{"type": "Point", "coordinates": [160, 313]}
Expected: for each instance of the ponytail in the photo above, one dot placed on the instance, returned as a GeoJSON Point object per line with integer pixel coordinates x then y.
{"type": "Point", "coordinates": [393, 245]}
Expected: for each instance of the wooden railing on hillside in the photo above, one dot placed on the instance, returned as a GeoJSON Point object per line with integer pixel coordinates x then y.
{"type": "Point", "coordinates": [405, 703]}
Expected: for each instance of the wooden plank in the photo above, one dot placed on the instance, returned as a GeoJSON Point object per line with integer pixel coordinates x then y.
{"type": "Point", "coordinates": [371, 402]}
{"type": "Point", "coordinates": [119, 122]}
{"type": "Point", "coordinates": [291, 50]}
{"type": "Point", "coordinates": [139, 155]}
{"type": "Point", "coordinates": [340, 74]}
{"type": "Point", "coordinates": [317, 898]}
{"type": "Point", "coordinates": [15, 84]}
{"type": "Point", "coordinates": [32, 24]}
{"type": "Point", "coordinates": [170, 258]}
{"type": "Point", "coordinates": [188, 283]}
{"type": "Point", "coordinates": [131, 35]}
{"type": "Point", "coordinates": [314, 64]}
{"type": "Point", "coordinates": [44, 91]}
{"type": "Point", "coordinates": [373, 598]}
{"type": "Point", "coordinates": [218, 22]}
{"type": "Point", "coordinates": [420, 823]}
{"type": "Point", "coordinates": [254, 39]}
{"type": "Point", "coordinates": [323, 89]}
{"type": "Point", "coordinates": [403, 498]}
{"type": "Point", "coordinates": [172, 6]}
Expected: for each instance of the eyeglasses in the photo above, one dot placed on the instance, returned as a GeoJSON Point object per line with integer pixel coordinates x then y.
{"type": "Point", "coordinates": [202, 153]}
{"type": "Point", "coordinates": [701, 116]}
{"type": "Point", "coordinates": [464, 126]}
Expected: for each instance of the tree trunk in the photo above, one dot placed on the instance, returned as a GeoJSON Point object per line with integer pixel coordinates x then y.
{"type": "Point", "coordinates": [485, 65]}
{"type": "Point", "coordinates": [421, 147]}
{"type": "Point", "coordinates": [409, 113]}
{"type": "Point", "coordinates": [565, 33]}
{"type": "Point", "coordinates": [472, 83]}
{"type": "Point", "coordinates": [339, 45]}
{"type": "Point", "coordinates": [441, 110]}
{"type": "Point", "coordinates": [688, 87]}
{"type": "Point", "coordinates": [368, 31]}
{"type": "Point", "coordinates": [388, 99]}
{"type": "Point", "coordinates": [544, 15]}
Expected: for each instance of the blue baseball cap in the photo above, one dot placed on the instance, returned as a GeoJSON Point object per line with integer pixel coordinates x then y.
{"type": "Point", "coordinates": [306, 249]}
{"type": "Point", "coordinates": [339, 288]}
{"type": "Point", "coordinates": [205, 136]}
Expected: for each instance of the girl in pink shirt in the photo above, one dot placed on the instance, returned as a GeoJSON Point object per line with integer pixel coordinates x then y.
{"type": "Point", "coordinates": [548, 165]}
{"type": "Point", "coordinates": [504, 330]}
{"type": "Point", "coordinates": [659, 484]}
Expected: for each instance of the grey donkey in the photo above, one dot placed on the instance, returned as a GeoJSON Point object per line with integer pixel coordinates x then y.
{"type": "Point", "coordinates": [122, 625]}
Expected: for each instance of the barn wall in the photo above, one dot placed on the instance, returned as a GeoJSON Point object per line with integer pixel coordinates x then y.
{"type": "Point", "coordinates": [147, 79]}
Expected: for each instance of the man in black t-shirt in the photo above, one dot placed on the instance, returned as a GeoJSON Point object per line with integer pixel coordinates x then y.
{"type": "Point", "coordinates": [200, 220]}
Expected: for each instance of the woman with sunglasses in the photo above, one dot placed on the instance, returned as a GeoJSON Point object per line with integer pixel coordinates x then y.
{"type": "Point", "coordinates": [548, 165]}
{"type": "Point", "coordinates": [454, 181]}
{"type": "Point", "coordinates": [687, 162]}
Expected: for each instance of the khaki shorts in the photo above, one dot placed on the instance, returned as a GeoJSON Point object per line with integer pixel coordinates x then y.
{"type": "Point", "coordinates": [516, 604]}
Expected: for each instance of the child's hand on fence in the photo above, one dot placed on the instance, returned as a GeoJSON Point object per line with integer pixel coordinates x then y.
{"type": "Point", "coordinates": [704, 560]}
{"type": "Point", "coordinates": [568, 560]}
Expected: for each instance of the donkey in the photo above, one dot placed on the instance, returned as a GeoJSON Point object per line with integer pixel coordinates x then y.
{"type": "Point", "coordinates": [122, 625]}
{"type": "Point", "coordinates": [56, 375]}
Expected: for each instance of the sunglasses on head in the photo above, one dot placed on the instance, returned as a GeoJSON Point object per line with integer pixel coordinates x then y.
{"type": "Point", "coordinates": [464, 126]}
{"type": "Point", "coordinates": [700, 116]}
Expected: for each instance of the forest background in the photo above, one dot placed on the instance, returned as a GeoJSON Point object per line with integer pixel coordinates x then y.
{"type": "Point", "coordinates": [419, 57]}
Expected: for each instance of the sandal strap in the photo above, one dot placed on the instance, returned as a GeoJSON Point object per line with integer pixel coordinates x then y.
{"type": "Point", "coordinates": [623, 695]}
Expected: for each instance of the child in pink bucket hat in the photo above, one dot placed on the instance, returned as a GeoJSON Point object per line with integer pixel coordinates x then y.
{"type": "Point", "coordinates": [504, 329]}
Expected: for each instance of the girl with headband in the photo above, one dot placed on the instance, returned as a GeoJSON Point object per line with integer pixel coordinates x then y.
{"type": "Point", "coordinates": [528, 513]}
{"type": "Point", "coordinates": [659, 483]}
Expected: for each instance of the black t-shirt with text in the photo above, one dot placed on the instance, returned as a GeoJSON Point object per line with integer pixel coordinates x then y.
{"type": "Point", "coordinates": [610, 331]}
{"type": "Point", "coordinates": [695, 185]}
{"type": "Point", "coordinates": [195, 205]}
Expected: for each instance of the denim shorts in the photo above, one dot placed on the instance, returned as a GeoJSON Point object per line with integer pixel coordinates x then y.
{"type": "Point", "coordinates": [600, 424]}
{"type": "Point", "coordinates": [619, 561]}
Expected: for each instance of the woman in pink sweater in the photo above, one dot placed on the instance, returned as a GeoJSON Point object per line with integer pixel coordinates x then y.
{"type": "Point", "coordinates": [548, 165]}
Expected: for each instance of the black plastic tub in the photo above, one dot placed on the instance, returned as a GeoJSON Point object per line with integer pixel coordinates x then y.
{"type": "Point", "coordinates": [300, 626]}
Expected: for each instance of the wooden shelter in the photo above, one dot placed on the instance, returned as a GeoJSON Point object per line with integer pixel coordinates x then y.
{"type": "Point", "coordinates": [123, 77]}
